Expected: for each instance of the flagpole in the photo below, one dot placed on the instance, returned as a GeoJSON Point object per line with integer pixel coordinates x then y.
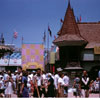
{"type": "Point", "coordinates": [48, 48]}
{"type": "Point", "coordinates": [44, 43]}
{"type": "Point", "coordinates": [44, 38]}
{"type": "Point", "coordinates": [22, 39]}
{"type": "Point", "coordinates": [12, 40]}
{"type": "Point", "coordinates": [9, 53]}
{"type": "Point", "coordinates": [60, 23]}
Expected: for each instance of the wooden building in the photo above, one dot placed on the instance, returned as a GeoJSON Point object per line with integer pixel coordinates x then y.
{"type": "Point", "coordinates": [76, 40]}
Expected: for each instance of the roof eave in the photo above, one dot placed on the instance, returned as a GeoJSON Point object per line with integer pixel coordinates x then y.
{"type": "Point", "coordinates": [70, 43]}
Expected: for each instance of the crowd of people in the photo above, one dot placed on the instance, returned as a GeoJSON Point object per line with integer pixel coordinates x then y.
{"type": "Point", "coordinates": [84, 86]}
{"type": "Point", "coordinates": [94, 86]}
{"type": "Point", "coordinates": [40, 84]}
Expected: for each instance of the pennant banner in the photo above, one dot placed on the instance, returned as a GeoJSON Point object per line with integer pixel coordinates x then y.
{"type": "Point", "coordinates": [15, 35]}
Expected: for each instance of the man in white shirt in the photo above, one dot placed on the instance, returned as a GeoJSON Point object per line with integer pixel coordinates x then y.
{"type": "Point", "coordinates": [56, 77]}
{"type": "Point", "coordinates": [56, 81]}
{"type": "Point", "coordinates": [66, 84]}
{"type": "Point", "coordinates": [19, 81]}
{"type": "Point", "coordinates": [38, 83]}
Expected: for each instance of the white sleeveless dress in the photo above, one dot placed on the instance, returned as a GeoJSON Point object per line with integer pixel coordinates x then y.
{"type": "Point", "coordinates": [9, 88]}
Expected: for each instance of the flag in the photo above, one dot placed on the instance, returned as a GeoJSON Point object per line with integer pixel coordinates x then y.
{"type": "Point", "coordinates": [15, 35]}
{"type": "Point", "coordinates": [54, 37]}
{"type": "Point", "coordinates": [53, 68]}
{"type": "Point", "coordinates": [80, 19]}
{"type": "Point", "coordinates": [44, 37]}
{"type": "Point", "coordinates": [61, 20]}
{"type": "Point", "coordinates": [2, 40]}
{"type": "Point", "coordinates": [49, 31]}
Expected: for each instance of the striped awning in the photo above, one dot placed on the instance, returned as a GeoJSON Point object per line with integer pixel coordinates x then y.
{"type": "Point", "coordinates": [2, 47]}
{"type": "Point", "coordinates": [5, 49]}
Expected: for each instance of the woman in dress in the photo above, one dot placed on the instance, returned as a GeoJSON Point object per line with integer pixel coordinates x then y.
{"type": "Point", "coordinates": [50, 92]}
{"type": "Point", "coordinates": [9, 86]}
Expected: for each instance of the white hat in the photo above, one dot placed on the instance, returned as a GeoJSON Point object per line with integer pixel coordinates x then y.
{"type": "Point", "coordinates": [49, 74]}
{"type": "Point", "coordinates": [59, 69]}
{"type": "Point", "coordinates": [33, 71]}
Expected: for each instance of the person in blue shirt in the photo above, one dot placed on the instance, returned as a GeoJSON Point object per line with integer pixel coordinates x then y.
{"type": "Point", "coordinates": [24, 89]}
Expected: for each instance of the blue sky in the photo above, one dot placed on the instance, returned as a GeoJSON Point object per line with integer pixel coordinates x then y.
{"type": "Point", "coordinates": [31, 17]}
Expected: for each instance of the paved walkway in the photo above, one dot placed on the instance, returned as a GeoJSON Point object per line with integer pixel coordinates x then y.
{"type": "Point", "coordinates": [70, 95]}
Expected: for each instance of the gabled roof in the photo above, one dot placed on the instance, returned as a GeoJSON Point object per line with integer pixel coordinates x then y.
{"type": "Point", "coordinates": [69, 30]}
{"type": "Point", "coordinates": [91, 32]}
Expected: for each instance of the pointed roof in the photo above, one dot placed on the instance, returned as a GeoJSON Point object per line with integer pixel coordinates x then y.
{"type": "Point", "coordinates": [69, 31]}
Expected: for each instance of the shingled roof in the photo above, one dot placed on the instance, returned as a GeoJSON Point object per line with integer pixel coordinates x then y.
{"type": "Point", "coordinates": [69, 33]}
{"type": "Point", "coordinates": [91, 32]}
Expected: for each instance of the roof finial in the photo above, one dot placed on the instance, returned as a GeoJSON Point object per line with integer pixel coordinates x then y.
{"type": "Point", "coordinates": [69, 4]}
{"type": "Point", "coordinates": [68, 1]}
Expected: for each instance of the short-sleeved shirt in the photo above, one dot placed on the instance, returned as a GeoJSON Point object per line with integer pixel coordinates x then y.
{"type": "Point", "coordinates": [14, 78]}
{"type": "Point", "coordinates": [56, 80]}
{"type": "Point", "coordinates": [77, 80]}
{"type": "Point", "coordinates": [66, 80]}
{"type": "Point", "coordinates": [44, 78]}
{"type": "Point", "coordinates": [1, 84]}
{"type": "Point", "coordinates": [39, 80]}
{"type": "Point", "coordinates": [60, 80]}
{"type": "Point", "coordinates": [24, 81]}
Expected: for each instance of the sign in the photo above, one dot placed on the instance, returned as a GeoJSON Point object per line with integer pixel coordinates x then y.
{"type": "Point", "coordinates": [32, 56]}
{"type": "Point", "coordinates": [52, 58]}
{"type": "Point", "coordinates": [96, 50]}
{"type": "Point", "coordinates": [12, 62]}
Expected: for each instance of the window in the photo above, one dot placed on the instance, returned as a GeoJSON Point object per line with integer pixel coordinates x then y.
{"type": "Point", "coordinates": [88, 57]}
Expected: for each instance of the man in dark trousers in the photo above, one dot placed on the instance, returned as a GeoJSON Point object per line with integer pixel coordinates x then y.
{"type": "Point", "coordinates": [85, 83]}
{"type": "Point", "coordinates": [19, 81]}
{"type": "Point", "coordinates": [38, 83]}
